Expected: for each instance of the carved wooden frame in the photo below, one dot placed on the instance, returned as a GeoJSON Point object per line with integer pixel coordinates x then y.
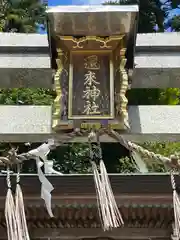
{"type": "Point", "coordinates": [121, 113]}
{"type": "Point", "coordinates": [57, 123]}
{"type": "Point", "coordinates": [121, 108]}
{"type": "Point", "coordinates": [56, 105]}
{"type": "Point", "coordinates": [102, 41]}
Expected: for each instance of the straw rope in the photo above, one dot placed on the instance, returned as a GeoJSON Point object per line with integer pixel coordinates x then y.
{"type": "Point", "coordinates": [109, 214]}
{"type": "Point", "coordinates": [172, 161]}
{"type": "Point", "coordinates": [12, 158]}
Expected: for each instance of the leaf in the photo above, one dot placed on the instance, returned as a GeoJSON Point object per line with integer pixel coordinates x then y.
{"type": "Point", "coordinates": [22, 15]}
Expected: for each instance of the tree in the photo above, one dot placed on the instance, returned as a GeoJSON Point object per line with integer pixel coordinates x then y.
{"type": "Point", "coordinates": [150, 13]}
{"type": "Point", "coordinates": [175, 23]}
{"type": "Point", "coordinates": [163, 148]}
{"type": "Point", "coordinates": [24, 16]}
{"type": "Point", "coordinates": [26, 96]}
{"type": "Point", "coordinates": [169, 96]}
{"type": "Point", "coordinates": [21, 15]}
{"type": "Point", "coordinates": [175, 3]}
{"type": "Point", "coordinates": [75, 158]}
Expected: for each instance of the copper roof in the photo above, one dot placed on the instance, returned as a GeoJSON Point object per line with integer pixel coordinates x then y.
{"type": "Point", "coordinates": [83, 184]}
{"type": "Point", "coordinates": [145, 202]}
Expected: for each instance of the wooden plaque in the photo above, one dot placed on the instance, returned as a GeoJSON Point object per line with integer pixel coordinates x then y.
{"type": "Point", "coordinates": [91, 85]}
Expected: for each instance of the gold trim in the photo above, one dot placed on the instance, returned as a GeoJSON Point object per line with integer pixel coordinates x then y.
{"type": "Point", "coordinates": [121, 108]}
{"type": "Point", "coordinates": [98, 125]}
{"type": "Point", "coordinates": [91, 51]}
{"type": "Point", "coordinates": [57, 105]}
{"type": "Point", "coordinates": [70, 96]}
{"type": "Point", "coordinates": [102, 41]}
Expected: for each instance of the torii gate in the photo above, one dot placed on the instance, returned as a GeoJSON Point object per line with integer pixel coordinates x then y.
{"type": "Point", "coordinates": [92, 58]}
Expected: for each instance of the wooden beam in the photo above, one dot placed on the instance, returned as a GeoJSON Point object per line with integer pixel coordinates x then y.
{"type": "Point", "coordinates": [33, 124]}
{"type": "Point", "coordinates": [122, 233]}
{"type": "Point", "coordinates": [25, 61]}
{"type": "Point", "coordinates": [88, 233]}
{"type": "Point", "coordinates": [156, 70]}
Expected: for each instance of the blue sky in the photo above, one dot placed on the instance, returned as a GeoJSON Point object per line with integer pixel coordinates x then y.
{"type": "Point", "coordinates": [73, 2]}
{"type": "Point", "coordinates": [166, 6]}
{"type": "Point", "coordinates": [84, 2]}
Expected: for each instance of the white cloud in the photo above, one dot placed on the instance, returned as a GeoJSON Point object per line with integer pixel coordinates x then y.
{"type": "Point", "coordinates": [96, 1]}
{"type": "Point", "coordinates": [87, 2]}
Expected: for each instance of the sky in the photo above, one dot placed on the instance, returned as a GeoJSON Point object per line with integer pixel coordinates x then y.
{"type": "Point", "coordinates": [73, 2]}
{"type": "Point", "coordinates": [69, 2]}
{"type": "Point", "coordinates": [166, 5]}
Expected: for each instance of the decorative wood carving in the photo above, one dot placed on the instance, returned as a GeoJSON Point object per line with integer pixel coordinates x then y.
{"type": "Point", "coordinates": [70, 77]}
{"type": "Point", "coordinates": [60, 111]}
{"type": "Point", "coordinates": [91, 42]}
{"type": "Point", "coordinates": [86, 217]}
{"type": "Point", "coordinates": [121, 85]}
{"type": "Point", "coordinates": [57, 105]}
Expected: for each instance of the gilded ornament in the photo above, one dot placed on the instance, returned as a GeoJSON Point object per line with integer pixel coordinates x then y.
{"type": "Point", "coordinates": [121, 108]}
{"type": "Point", "coordinates": [57, 101]}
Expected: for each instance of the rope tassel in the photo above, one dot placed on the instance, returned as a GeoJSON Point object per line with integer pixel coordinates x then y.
{"type": "Point", "coordinates": [109, 213]}
{"type": "Point", "coordinates": [176, 205]}
{"type": "Point", "coordinates": [98, 187]}
{"type": "Point", "coordinates": [113, 214]}
{"type": "Point", "coordinates": [22, 228]}
{"type": "Point", "coordinates": [10, 212]}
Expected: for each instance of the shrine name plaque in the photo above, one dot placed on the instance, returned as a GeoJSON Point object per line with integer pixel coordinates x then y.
{"type": "Point", "coordinates": [91, 85]}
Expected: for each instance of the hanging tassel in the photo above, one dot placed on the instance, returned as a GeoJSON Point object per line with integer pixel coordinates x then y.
{"type": "Point", "coordinates": [109, 213]}
{"type": "Point", "coordinates": [10, 212]}
{"type": "Point", "coordinates": [100, 197]}
{"type": "Point", "coordinates": [113, 214]}
{"type": "Point", "coordinates": [22, 228]}
{"type": "Point", "coordinates": [176, 205]}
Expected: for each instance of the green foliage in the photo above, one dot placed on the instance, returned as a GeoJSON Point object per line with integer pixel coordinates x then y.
{"type": "Point", "coordinates": [175, 23]}
{"type": "Point", "coordinates": [156, 167]}
{"type": "Point", "coordinates": [26, 96]}
{"type": "Point", "coordinates": [155, 96]}
{"type": "Point", "coordinates": [150, 14]}
{"type": "Point", "coordinates": [126, 165]}
{"type": "Point", "coordinates": [163, 148]}
{"type": "Point", "coordinates": [72, 158]}
{"type": "Point", "coordinates": [170, 96]}
{"type": "Point", "coordinates": [175, 3]}
{"type": "Point", "coordinates": [24, 16]}
{"type": "Point", "coordinates": [21, 15]}
{"type": "Point", "coordinates": [39, 96]}
{"type": "Point", "coordinates": [144, 96]}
